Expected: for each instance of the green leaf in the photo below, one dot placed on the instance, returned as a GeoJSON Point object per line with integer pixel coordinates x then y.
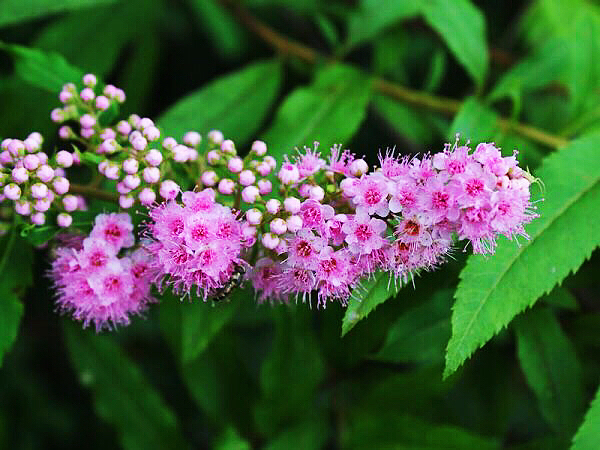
{"type": "Point", "coordinates": [46, 70]}
{"type": "Point", "coordinates": [15, 11]}
{"type": "Point", "coordinates": [309, 434]}
{"type": "Point", "coordinates": [561, 298]}
{"type": "Point", "coordinates": [365, 299]}
{"type": "Point", "coordinates": [236, 104]}
{"type": "Point", "coordinates": [493, 290]}
{"type": "Point", "coordinates": [462, 26]}
{"type": "Point", "coordinates": [330, 110]}
{"type": "Point", "coordinates": [588, 435]}
{"type": "Point", "coordinates": [551, 368]}
{"type": "Point", "coordinates": [122, 395]}
{"type": "Point", "coordinates": [15, 275]}
{"type": "Point", "coordinates": [231, 440]}
{"type": "Point", "coordinates": [202, 321]}
{"type": "Point", "coordinates": [420, 334]}
{"type": "Point", "coordinates": [374, 16]}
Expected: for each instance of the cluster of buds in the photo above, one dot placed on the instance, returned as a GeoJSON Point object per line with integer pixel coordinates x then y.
{"type": "Point", "coordinates": [36, 183]}
{"type": "Point", "coordinates": [97, 286]}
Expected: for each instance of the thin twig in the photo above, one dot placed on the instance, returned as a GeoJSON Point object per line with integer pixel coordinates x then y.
{"type": "Point", "coordinates": [442, 105]}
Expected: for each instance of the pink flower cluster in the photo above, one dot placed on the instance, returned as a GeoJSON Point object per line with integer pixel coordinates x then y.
{"type": "Point", "coordinates": [36, 183]}
{"type": "Point", "coordinates": [97, 286]}
{"type": "Point", "coordinates": [197, 244]}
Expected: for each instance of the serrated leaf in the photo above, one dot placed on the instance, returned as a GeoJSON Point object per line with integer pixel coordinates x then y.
{"type": "Point", "coordinates": [420, 334]}
{"type": "Point", "coordinates": [551, 368]}
{"type": "Point", "coordinates": [366, 298]}
{"type": "Point", "coordinates": [493, 290]}
{"type": "Point", "coordinates": [462, 26]}
{"type": "Point", "coordinates": [588, 435]}
{"type": "Point", "coordinates": [330, 110]}
{"type": "Point", "coordinates": [45, 70]}
{"type": "Point", "coordinates": [122, 395]}
{"type": "Point", "coordinates": [16, 260]}
{"type": "Point", "coordinates": [202, 321]}
{"type": "Point", "coordinates": [236, 104]}
{"type": "Point", "coordinates": [15, 11]}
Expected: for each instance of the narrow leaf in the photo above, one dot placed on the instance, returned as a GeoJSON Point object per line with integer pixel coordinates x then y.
{"type": "Point", "coordinates": [236, 104]}
{"type": "Point", "coordinates": [493, 290]}
{"type": "Point", "coordinates": [46, 70]}
{"type": "Point", "coordinates": [462, 26]}
{"type": "Point", "coordinates": [420, 334]}
{"type": "Point", "coordinates": [123, 397]}
{"type": "Point", "coordinates": [15, 11]}
{"type": "Point", "coordinates": [330, 110]}
{"type": "Point", "coordinates": [588, 435]}
{"type": "Point", "coordinates": [366, 298]}
{"type": "Point", "coordinates": [551, 368]}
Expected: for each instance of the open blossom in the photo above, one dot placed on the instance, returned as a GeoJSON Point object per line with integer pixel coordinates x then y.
{"type": "Point", "coordinates": [95, 284]}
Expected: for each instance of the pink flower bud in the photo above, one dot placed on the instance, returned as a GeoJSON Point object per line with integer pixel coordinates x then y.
{"type": "Point", "coordinates": [181, 153]}
{"type": "Point", "coordinates": [23, 207]}
{"type": "Point", "coordinates": [20, 175]}
{"type": "Point", "coordinates": [64, 159]}
{"type": "Point", "coordinates": [4, 143]}
{"type": "Point", "coordinates": [12, 191]}
{"type": "Point", "coordinates": [41, 205]}
{"type": "Point", "coordinates": [50, 196]}
{"type": "Point", "coordinates": [39, 190]}
{"type": "Point", "coordinates": [145, 123]}
{"type": "Point", "coordinates": [60, 185]}
{"type": "Point", "coordinates": [131, 165]}
{"type": "Point", "coordinates": [192, 138]}
{"type": "Point", "coordinates": [147, 196]}
{"type": "Point", "coordinates": [102, 102]}
{"type": "Point", "coordinates": [87, 95]}
{"type": "Point", "coordinates": [110, 91]}
{"type": "Point", "coordinates": [108, 133]}
{"type": "Point", "coordinates": [358, 167]}
{"type": "Point", "coordinates": [42, 157]}
{"type": "Point", "coordinates": [31, 162]}
{"type": "Point", "coordinates": [64, 220]}
{"type": "Point", "coordinates": [131, 181]}
{"type": "Point", "coordinates": [192, 154]}
{"type": "Point", "coordinates": [112, 171]}
{"type": "Point", "coordinates": [102, 166]}
{"type": "Point", "coordinates": [317, 193]}
{"type": "Point", "coordinates": [65, 132]}
{"type": "Point", "coordinates": [270, 240]}
{"type": "Point", "coordinates": [247, 177]}
{"type": "Point", "coordinates": [226, 186]}
{"type": "Point", "coordinates": [292, 205]}
{"type": "Point", "coordinates": [16, 147]}
{"type": "Point", "coordinates": [5, 157]}
{"type": "Point", "coordinates": [59, 172]}
{"type": "Point", "coordinates": [81, 204]}
{"type": "Point", "coordinates": [253, 216]}
{"type": "Point", "coordinates": [87, 121]}
{"type": "Point", "coordinates": [154, 157]}
{"type": "Point", "coordinates": [304, 190]}
{"type": "Point", "coordinates": [126, 201]}
{"type": "Point", "coordinates": [139, 143]}
{"type": "Point", "coordinates": [169, 189]}
{"type": "Point", "coordinates": [273, 206]}
{"type": "Point", "coordinates": [278, 226]}
{"type": "Point", "coordinates": [264, 187]}
{"type": "Point", "coordinates": [288, 174]}
{"type": "Point", "coordinates": [209, 178]}
{"type": "Point", "coordinates": [228, 147]}
{"type": "Point", "coordinates": [213, 157]}
{"type": "Point", "coordinates": [120, 95]}
{"type": "Point", "coordinates": [31, 145]}
{"type": "Point", "coordinates": [250, 194]}
{"type": "Point", "coordinates": [169, 143]}
{"type": "Point", "coordinates": [45, 173]}
{"type": "Point", "coordinates": [216, 137]}
{"type": "Point", "coordinates": [134, 135]}
{"type": "Point", "coordinates": [263, 169]}
{"type": "Point", "coordinates": [124, 127]}
{"type": "Point", "coordinates": [294, 223]}
{"type": "Point", "coordinates": [70, 202]}
{"type": "Point", "coordinates": [270, 161]}
{"type": "Point", "coordinates": [152, 133]}
{"type": "Point", "coordinates": [259, 148]}
{"type": "Point", "coordinates": [122, 188]}
{"type": "Point", "coordinates": [39, 218]}
{"type": "Point", "coordinates": [65, 96]}
{"type": "Point", "coordinates": [87, 133]}
{"type": "Point", "coordinates": [151, 174]}
{"type": "Point", "coordinates": [90, 80]}
{"type": "Point", "coordinates": [57, 115]}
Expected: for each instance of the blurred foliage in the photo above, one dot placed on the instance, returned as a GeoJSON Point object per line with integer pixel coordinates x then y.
{"type": "Point", "coordinates": [236, 375]}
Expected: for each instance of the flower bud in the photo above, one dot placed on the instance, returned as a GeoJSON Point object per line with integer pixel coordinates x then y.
{"type": "Point", "coordinates": [247, 177]}
{"type": "Point", "coordinates": [64, 220]}
{"type": "Point", "coordinates": [209, 178]}
{"type": "Point", "coordinates": [145, 122]}
{"type": "Point", "coordinates": [41, 205]}
{"type": "Point", "coordinates": [60, 185]}
{"type": "Point", "coordinates": [215, 137]}
{"type": "Point", "coordinates": [263, 169]}
{"type": "Point", "coordinates": [317, 193]}
{"type": "Point", "coordinates": [264, 187]}
{"type": "Point", "coordinates": [87, 121]}
{"type": "Point", "coordinates": [228, 147]}
{"type": "Point", "coordinates": [39, 190]}
{"type": "Point", "coordinates": [151, 175]}
{"type": "Point", "coordinates": [358, 167]}
{"type": "Point", "coordinates": [270, 240]}
{"type": "Point", "coordinates": [192, 138]}
{"type": "Point", "coordinates": [270, 161]}
{"type": "Point", "coordinates": [102, 103]}
{"type": "Point", "coordinates": [124, 127]}
{"type": "Point", "coordinates": [253, 216]}
{"type": "Point", "coordinates": [292, 205]}
{"type": "Point", "coordinates": [23, 207]}
{"type": "Point", "coordinates": [5, 157]}
{"type": "Point", "coordinates": [154, 157]}
{"type": "Point", "coordinates": [64, 159]}
{"type": "Point", "coordinates": [122, 188]}
{"type": "Point", "coordinates": [226, 186]}
{"type": "Point", "coordinates": [181, 153]}
{"type": "Point", "coordinates": [112, 171]}
{"type": "Point", "coordinates": [273, 206]}
{"type": "Point", "coordinates": [169, 189]}
{"type": "Point", "coordinates": [87, 95]}
{"type": "Point", "coordinates": [12, 191]}
{"type": "Point", "coordinates": [57, 115]}
{"type": "Point", "coordinates": [45, 173]}
{"type": "Point", "coordinates": [126, 201]}
{"type": "Point", "coordinates": [235, 164]}
{"type": "Point", "coordinates": [131, 165]}
{"type": "Point", "coordinates": [288, 174]}
{"type": "Point", "coordinates": [259, 148]}
{"type": "Point", "coordinates": [38, 218]}
{"type": "Point", "coordinates": [213, 157]}
{"type": "Point", "coordinates": [278, 226]}
{"type": "Point", "coordinates": [16, 147]}
{"type": "Point", "coordinates": [31, 145]}
{"type": "Point", "coordinates": [250, 194]}
{"type": "Point", "coordinates": [20, 175]}
{"type": "Point", "coordinates": [139, 143]}
{"type": "Point", "coordinates": [87, 133]}
{"type": "Point", "coordinates": [90, 80]}
{"type": "Point", "coordinates": [294, 223]}
{"type": "Point", "coordinates": [147, 196]}
{"type": "Point", "coordinates": [169, 143]}
{"type": "Point", "coordinates": [70, 202]}
{"type": "Point", "coordinates": [152, 133]}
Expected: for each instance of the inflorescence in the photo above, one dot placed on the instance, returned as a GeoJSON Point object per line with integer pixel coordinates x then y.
{"type": "Point", "coordinates": [307, 224]}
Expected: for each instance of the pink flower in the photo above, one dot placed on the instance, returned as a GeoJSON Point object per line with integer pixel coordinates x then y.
{"type": "Point", "coordinates": [363, 233]}
{"type": "Point", "coordinates": [372, 194]}
{"type": "Point", "coordinates": [304, 249]}
{"type": "Point", "coordinates": [309, 162]}
{"type": "Point", "coordinates": [314, 214]}
{"type": "Point", "coordinates": [116, 230]}
{"type": "Point", "coordinates": [264, 277]}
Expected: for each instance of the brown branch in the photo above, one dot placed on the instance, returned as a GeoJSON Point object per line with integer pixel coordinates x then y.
{"type": "Point", "coordinates": [420, 99]}
{"type": "Point", "coordinates": [92, 192]}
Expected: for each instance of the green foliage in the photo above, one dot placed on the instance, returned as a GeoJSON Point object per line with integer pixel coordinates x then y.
{"type": "Point", "coordinates": [330, 111]}
{"type": "Point", "coordinates": [493, 291]}
{"type": "Point", "coordinates": [588, 435]}
{"type": "Point", "coordinates": [235, 104]}
{"type": "Point", "coordinates": [15, 11]}
{"type": "Point", "coordinates": [551, 367]}
{"type": "Point", "coordinates": [132, 405]}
